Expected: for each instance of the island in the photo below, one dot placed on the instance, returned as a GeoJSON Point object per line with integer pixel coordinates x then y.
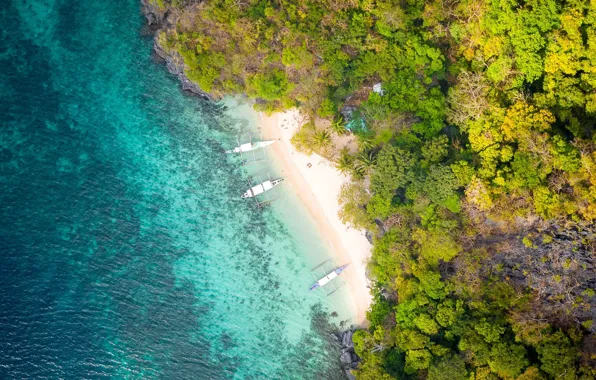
{"type": "Point", "coordinates": [456, 137]}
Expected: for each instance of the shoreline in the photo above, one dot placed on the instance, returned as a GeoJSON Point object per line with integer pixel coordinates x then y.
{"type": "Point", "coordinates": [318, 188]}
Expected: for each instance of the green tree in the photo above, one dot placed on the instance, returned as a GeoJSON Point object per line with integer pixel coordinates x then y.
{"type": "Point", "coordinates": [272, 85]}
{"type": "Point", "coordinates": [446, 314]}
{"type": "Point", "coordinates": [508, 360]}
{"type": "Point", "coordinates": [366, 162]}
{"type": "Point", "coordinates": [463, 173]}
{"type": "Point", "coordinates": [417, 359]}
{"type": "Point", "coordinates": [338, 126]}
{"type": "Point", "coordinates": [352, 200]}
{"type": "Point", "coordinates": [450, 367]}
{"type": "Point", "coordinates": [393, 170]}
{"type": "Point", "coordinates": [440, 184]}
{"type": "Point", "coordinates": [558, 356]}
{"type": "Point", "coordinates": [426, 324]}
{"type": "Point", "coordinates": [434, 150]}
{"type": "Point", "coordinates": [345, 162]}
{"type": "Point", "coordinates": [321, 140]}
{"type": "Point", "coordinates": [436, 245]}
{"type": "Point", "coordinates": [490, 330]}
{"type": "Point", "coordinates": [327, 109]}
{"type": "Point", "coordinates": [531, 373]}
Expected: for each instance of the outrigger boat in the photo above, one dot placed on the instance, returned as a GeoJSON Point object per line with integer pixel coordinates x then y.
{"type": "Point", "coordinates": [261, 188]}
{"type": "Point", "coordinates": [250, 146]}
{"type": "Point", "coordinates": [327, 278]}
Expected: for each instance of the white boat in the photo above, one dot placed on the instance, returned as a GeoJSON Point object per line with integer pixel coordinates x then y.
{"type": "Point", "coordinates": [250, 146]}
{"type": "Point", "coordinates": [328, 277]}
{"type": "Point", "coordinates": [261, 188]}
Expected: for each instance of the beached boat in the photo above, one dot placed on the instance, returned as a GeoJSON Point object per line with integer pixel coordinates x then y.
{"type": "Point", "coordinates": [250, 146]}
{"type": "Point", "coordinates": [327, 278]}
{"type": "Point", "coordinates": [261, 188]}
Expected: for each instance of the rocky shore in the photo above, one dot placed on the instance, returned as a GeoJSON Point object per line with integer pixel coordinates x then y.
{"type": "Point", "coordinates": [348, 358]}
{"type": "Point", "coordinates": [159, 19]}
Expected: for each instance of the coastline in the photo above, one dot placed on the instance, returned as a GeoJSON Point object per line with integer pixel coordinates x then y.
{"type": "Point", "coordinates": [318, 188]}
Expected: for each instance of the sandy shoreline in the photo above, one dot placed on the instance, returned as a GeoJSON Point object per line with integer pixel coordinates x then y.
{"type": "Point", "coordinates": [318, 188]}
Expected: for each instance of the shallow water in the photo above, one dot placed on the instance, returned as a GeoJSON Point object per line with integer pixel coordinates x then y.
{"type": "Point", "coordinates": [126, 251]}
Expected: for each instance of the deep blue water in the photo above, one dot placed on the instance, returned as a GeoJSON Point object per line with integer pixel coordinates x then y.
{"type": "Point", "coordinates": [125, 251]}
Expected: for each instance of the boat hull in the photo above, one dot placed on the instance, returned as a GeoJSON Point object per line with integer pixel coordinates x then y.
{"type": "Point", "coordinates": [250, 147]}
{"type": "Point", "coordinates": [330, 276]}
{"type": "Point", "coordinates": [261, 188]}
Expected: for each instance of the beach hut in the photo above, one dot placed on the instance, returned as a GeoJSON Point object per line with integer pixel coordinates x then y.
{"type": "Point", "coordinates": [354, 122]}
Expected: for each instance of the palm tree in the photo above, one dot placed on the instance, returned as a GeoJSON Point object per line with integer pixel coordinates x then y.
{"type": "Point", "coordinates": [321, 140]}
{"type": "Point", "coordinates": [366, 162]}
{"type": "Point", "coordinates": [364, 143]}
{"type": "Point", "coordinates": [345, 162]}
{"type": "Point", "coordinates": [338, 126]}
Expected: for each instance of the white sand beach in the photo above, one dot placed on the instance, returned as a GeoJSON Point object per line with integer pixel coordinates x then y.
{"type": "Point", "coordinates": [318, 186]}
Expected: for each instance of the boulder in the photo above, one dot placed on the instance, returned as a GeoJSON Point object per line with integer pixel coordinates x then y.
{"type": "Point", "coordinates": [346, 358]}
{"type": "Point", "coordinates": [346, 340]}
{"type": "Point", "coordinates": [369, 236]}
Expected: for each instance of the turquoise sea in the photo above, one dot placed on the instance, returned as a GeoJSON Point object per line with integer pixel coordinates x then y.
{"type": "Point", "coordinates": [126, 251]}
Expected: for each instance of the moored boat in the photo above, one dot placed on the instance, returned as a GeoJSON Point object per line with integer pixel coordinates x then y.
{"type": "Point", "coordinates": [250, 146]}
{"type": "Point", "coordinates": [261, 188]}
{"type": "Point", "coordinates": [327, 278]}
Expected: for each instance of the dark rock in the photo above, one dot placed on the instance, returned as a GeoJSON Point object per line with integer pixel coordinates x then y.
{"type": "Point", "coordinates": [369, 236]}
{"type": "Point", "coordinates": [153, 13]}
{"type": "Point", "coordinates": [382, 228]}
{"type": "Point", "coordinates": [347, 112]}
{"type": "Point", "coordinates": [350, 375]}
{"type": "Point", "coordinates": [346, 358]}
{"type": "Point", "coordinates": [387, 294]}
{"type": "Point", "coordinates": [346, 340]}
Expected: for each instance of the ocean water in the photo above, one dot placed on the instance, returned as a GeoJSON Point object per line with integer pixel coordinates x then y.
{"type": "Point", "coordinates": [125, 250]}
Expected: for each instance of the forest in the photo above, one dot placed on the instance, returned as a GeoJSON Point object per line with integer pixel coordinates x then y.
{"type": "Point", "coordinates": [475, 171]}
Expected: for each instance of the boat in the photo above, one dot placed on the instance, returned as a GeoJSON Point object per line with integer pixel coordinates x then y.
{"type": "Point", "coordinates": [327, 278]}
{"type": "Point", "coordinates": [261, 188]}
{"type": "Point", "coordinates": [250, 146]}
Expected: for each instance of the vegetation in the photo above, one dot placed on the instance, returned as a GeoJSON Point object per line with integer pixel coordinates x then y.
{"type": "Point", "coordinates": [476, 174]}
